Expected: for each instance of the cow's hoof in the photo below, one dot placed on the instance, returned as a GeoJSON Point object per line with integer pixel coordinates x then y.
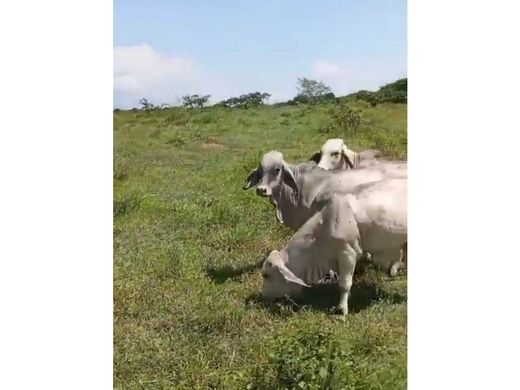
{"type": "Point", "coordinates": [337, 316]}
{"type": "Point", "coordinates": [393, 271]}
{"type": "Point", "coordinates": [341, 311]}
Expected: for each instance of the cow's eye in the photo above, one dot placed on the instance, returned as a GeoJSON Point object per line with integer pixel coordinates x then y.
{"type": "Point", "coordinates": [335, 154]}
{"type": "Point", "coordinates": [277, 169]}
{"type": "Point", "coordinates": [265, 275]}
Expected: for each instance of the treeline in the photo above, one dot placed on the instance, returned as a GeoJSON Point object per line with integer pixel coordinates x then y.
{"type": "Point", "coordinates": [396, 92]}
{"type": "Point", "coordinates": [309, 92]}
{"type": "Point", "coordinates": [254, 99]}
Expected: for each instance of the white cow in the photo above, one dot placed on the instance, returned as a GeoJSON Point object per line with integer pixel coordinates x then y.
{"type": "Point", "coordinates": [299, 191]}
{"type": "Point", "coordinates": [335, 155]}
{"type": "Point", "coordinates": [374, 218]}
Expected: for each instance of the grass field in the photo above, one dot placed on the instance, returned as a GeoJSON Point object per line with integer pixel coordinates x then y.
{"type": "Point", "coordinates": [187, 242]}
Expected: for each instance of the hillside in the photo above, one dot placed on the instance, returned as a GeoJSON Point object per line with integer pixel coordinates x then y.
{"type": "Point", "coordinates": [187, 239]}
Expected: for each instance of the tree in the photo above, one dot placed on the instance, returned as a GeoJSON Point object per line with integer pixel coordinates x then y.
{"type": "Point", "coordinates": [253, 99]}
{"type": "Point", "coordinates": [195, 101]}
{"type": "Point", "coordinates": [311, 89]}
{"type": "Point", "coordinates": [329, 96]}
{"type": "Point", "coordinates": [146, 105]}
{"type": "Point", "coordinates": [301, 99]}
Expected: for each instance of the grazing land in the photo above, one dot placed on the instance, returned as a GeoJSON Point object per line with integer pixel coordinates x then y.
{"type": "Point", "coordinates": [188, 241]}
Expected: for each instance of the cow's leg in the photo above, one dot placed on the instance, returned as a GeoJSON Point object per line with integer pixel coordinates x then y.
{"type": "Point", "coordinates": [394, 269]}
{"type": "Point", "coordinates": [403, 255]}
{"type": "Point", "coordinates": [346, 265]}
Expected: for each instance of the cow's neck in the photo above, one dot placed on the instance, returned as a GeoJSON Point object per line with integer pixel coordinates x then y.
{"type": "Point", "coordinates": [312, 263]}
{"type": "Point", "coordinates": [308, 256]}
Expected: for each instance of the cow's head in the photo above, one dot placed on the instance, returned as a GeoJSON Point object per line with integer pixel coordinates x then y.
{"type": "Point", "coordinates": [278, 279]}
{"type": "Point", "coordinates": [272, 172]}
{"type": "Point", "coordinates": [334, 154]}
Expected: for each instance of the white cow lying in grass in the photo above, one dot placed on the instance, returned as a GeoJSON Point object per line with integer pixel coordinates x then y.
{"type": "Point", "coordinates": [299, 191]}
{"type": "Point", "coordinates": [373, 219]}
{"type": "Point", "coordinates": [335, 155]}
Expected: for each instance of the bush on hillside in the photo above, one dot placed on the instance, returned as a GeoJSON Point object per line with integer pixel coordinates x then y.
{"type": "Point", "coordinates": [395, 92]}
{"type": "Point", "coordinates": [302, 99]}
{"type": "Point", "coordinates": [400, 85]}
{"type": "Point", "coordinates": [195, 101]}
{"type": "Point", "coordinates": [250, 100]}
{"type": "Point", "coordinates": [328, 97]}
{"type": "Point", "coordinates": [345, 117]}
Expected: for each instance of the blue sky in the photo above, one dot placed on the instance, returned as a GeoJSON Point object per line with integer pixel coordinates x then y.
{"type": "Point", "coordinates": [166, 49]}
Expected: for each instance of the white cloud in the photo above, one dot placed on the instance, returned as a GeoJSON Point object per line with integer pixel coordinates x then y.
{"type": "Point", "coordinates": [143, 72]}
{"type": "Point", "coordinates": [141, 68]}
{"type": "Point", "coordinates": [327, 70]}
{"type": "Point", "coordinates": [332, 74]}
{"type": "Point", "coordinates": [140, 71]}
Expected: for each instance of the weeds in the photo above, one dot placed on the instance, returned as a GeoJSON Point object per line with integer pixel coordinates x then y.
{"type": "Point", "coordinates": [346, 117]}
{"type": "Point", "coordinates": [176, 140]}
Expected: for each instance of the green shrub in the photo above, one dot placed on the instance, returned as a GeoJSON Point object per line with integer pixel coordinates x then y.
{"type": "Point", "coordinates": [345, 117]}
{"type": "Point", "coordinates": [178, 117]}
{"type": "Point", "coordinates": [197, 135]}
{"type": "Point", "coordinates": [206, 119]}
{"type": "Point", "coordinates": [195, 101]}
{"type": "Point", "coordinates": [301, 99]}
{"type": "Point", "coordinates": [310, 360]}
{"type": "Point", "coordinates": [327, 128]}
{"type": "Point", "coordinates": [176, 140]}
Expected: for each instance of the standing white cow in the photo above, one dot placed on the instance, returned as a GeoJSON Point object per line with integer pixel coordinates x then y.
{"type": "Point", "coordinates": [374, 219]}
{"type": "Point", "coordinates": [299, 191]}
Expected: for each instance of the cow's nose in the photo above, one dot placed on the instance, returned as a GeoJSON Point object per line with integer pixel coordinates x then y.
{"type": "Point", "coordinates": [261, 190]}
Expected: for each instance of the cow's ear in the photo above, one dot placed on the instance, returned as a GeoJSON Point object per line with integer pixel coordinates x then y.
{"type": "Point", "coordinates": [345, 154]}
{"type": "Point", "coordinates": [316, 157]}
{"type": "Point", "coordinates": [290, 277]}
{"type": "Point", "coordinates": [253, 179]}
{"type": "Point", "coordinates": [288, 177]}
